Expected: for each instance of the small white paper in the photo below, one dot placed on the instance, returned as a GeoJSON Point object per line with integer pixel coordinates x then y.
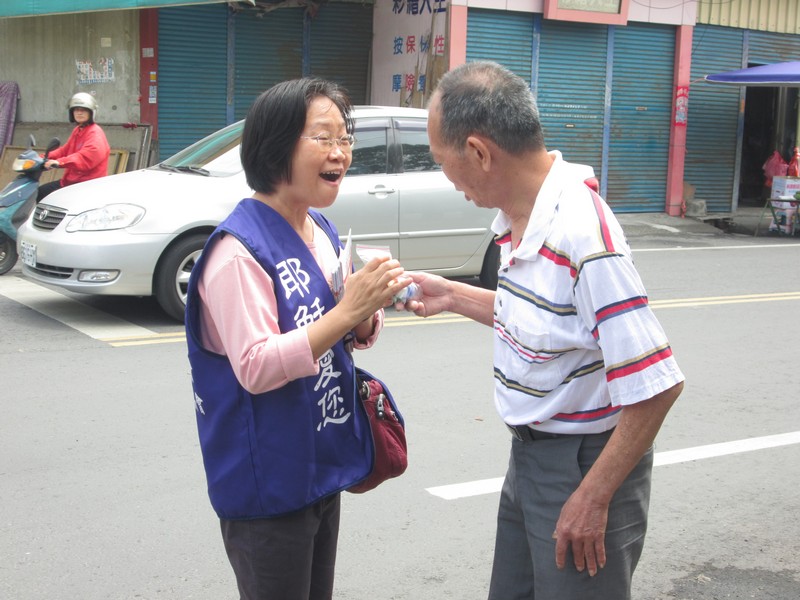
{"type": "Point", "coordinates": [343, 269]}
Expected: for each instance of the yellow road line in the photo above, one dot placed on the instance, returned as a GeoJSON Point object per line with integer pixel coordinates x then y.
{"type": "Point", "coordinates": [717, 300]}
{"type": "Point", "coordinates": [446, 318]}
{"type": "Point", "coordinates": [157, 338]}
{"type": "Point", "coordinates": [415, 320]}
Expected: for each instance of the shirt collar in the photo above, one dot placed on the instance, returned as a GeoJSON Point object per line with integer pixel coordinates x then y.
{"type": "Point", "coordinates": [544, 209]}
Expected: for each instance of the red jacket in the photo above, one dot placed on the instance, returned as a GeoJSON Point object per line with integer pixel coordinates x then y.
{"type": "Point", "coordinates": [84, 156]}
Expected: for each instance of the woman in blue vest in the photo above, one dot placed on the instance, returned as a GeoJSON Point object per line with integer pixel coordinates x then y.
{"type": "Point", "coordinates": [271, 316]}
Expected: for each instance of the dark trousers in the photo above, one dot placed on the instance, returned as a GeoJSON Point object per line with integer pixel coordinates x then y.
{"type": "Point", "coordinates": [285, 558]}
{"type": "Point", "coordinates": [541, 475]}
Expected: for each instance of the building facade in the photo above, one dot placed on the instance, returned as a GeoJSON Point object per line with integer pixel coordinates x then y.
{"type": "Point", "coordinates": [619, 83]}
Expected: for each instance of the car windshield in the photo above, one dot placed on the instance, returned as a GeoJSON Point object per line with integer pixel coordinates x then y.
{"type": "Point", "coordinates": [217, 154]}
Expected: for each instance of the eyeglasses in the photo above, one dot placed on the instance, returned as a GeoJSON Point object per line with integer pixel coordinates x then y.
{"type": "Point", "coordinates": [325, 142]}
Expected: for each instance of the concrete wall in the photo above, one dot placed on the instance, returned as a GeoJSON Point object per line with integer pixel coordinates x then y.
{"type": "Point", "coordinates": [44, 54]}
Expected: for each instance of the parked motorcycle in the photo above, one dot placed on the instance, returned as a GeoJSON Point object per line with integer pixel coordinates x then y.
{"type": "Point", "coordinates": [18, 199]}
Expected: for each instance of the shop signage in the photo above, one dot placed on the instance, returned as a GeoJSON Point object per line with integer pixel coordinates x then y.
{"type": "Point", "coordinates": [609, 12]}
{"type": "Point", "coordinates": [606, 6]}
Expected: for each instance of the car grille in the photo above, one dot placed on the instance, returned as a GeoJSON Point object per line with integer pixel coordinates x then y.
{"type": "Point", "coordinates": [48, 217]}
{"type": "Point", "coordinates": [51, 271]}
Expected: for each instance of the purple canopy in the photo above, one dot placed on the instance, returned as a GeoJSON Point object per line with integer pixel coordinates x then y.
{"type": "Point", "coordinates": [786, 74]}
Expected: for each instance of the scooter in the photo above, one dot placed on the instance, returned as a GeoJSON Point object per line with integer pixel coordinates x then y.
{"type": "Point", "coordinates": [18, 199]}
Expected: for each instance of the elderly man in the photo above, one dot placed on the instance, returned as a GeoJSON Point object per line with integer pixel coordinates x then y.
{"type": "Point", "coordinates": [584, 374]}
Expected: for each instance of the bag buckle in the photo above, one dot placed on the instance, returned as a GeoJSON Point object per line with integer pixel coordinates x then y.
{"type": "Point", "coordinates": [381, 411]}
{"type": "Point", "coordinates": [363, 390]}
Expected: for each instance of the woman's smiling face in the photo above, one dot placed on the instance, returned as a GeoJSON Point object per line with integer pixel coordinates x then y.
{"type": "Point", "coordinates": [317, 171]}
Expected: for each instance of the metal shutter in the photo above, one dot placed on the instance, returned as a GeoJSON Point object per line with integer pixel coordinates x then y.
{"type": "Point", "coordinates": [192, 74]}
{"type": "Point", "coordinates": [714, 118]}
{"type": "Point", "coordinates": [268, 50]}
{"type": "Point", "coordinates": [502, 36]}
{"type": "Point", "coordinates": [340, 47]}
{"type": "Point", "coordinates": [767, 48]}
{"type": "Point", "coordinates": [641, 115]}
{"type": "Point", "coordinates": [570, 89]}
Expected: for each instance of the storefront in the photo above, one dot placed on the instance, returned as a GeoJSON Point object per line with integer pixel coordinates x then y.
{"type": "Point", "coordinates": [733, 130]}
{"type": "Point", "coordinates": [605, 94]}
{"type": "Point", "coordinates": [184, 67]}
{"type": "Point", "coordinates": [623, 92]}
{"type": "Point", "coordinates": [213, 61]}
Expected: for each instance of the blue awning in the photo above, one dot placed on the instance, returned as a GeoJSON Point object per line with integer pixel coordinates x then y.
{"type": "Point", "coordinates": [786, 74]}
{"type": "Point", "coordinates": [30, 8]}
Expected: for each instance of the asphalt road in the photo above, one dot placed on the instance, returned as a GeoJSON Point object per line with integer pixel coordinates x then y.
{"type": "Point", "coordinates": [102, 493]}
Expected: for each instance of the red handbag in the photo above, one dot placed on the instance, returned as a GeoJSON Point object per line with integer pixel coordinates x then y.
{"type": "Point", "coordinates": [388, 432]}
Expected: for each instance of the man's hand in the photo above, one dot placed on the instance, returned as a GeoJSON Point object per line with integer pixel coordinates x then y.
{"type": "Point", "coordinates": [584, 516]}
{"type": "Point", "coordinates": [436, 295]}
{"type": "Point", "coordinates": [51, 164]}
{"type": "Point", "coordinates": [582, 526]}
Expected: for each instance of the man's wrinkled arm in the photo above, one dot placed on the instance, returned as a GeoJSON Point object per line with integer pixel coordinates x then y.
{"type": "Point", "coordinates": [583, 519]}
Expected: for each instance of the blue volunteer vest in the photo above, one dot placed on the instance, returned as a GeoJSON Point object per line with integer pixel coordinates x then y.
{"type": "Point", "coordinates": [270, 454]}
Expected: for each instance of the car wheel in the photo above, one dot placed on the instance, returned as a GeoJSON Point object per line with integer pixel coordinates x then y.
{"type": "Point", "coordinates": [172, 277]}
{"type": "Point", "coordinates": [8, 254]}
{"type": "Point", "coordinates": [491, 265]}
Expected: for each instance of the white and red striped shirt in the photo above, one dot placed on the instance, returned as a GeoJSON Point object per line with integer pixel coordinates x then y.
{"type": "Point", "coordinates": [575, 338]}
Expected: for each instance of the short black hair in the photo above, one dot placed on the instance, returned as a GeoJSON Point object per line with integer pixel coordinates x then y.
{"type": "Point", "coordinates": [274, 124]}
{"type": "Point", "coordinates": [486, 98]}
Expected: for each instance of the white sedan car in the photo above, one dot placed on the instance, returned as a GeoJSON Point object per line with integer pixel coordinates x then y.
{"type": "Point", "coordinates": [139, 233]}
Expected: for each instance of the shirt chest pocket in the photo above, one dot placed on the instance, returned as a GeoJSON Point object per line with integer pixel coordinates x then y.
{"type": "Point", "coordinates": [528, 358]}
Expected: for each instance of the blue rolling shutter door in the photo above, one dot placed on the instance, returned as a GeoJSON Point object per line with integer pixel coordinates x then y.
{"type": "Point", "coordinates": [641, 114]}
{"type": "Point", "coordinates": [268, 50]}
{"type": "Point", "coordinates": [192, 74]}
{"type": "Point", "coordinates": [711, 135]}
{"type": "Point", "coordinates": [501, 36]}
{"type": "Point", "coordinates": [341, 43]}
{"type": "Point", "coordinates": [571, 74]}
{"type": "Point", "coordinates": [571, 90]}
{"type": "Point", "coordinates": [766, 48]}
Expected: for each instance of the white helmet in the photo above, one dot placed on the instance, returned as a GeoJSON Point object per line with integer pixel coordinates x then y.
{"type": "Point", "coordinates": [82, 100]}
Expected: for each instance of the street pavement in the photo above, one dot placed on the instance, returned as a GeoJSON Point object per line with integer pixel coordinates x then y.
{"type": "Point", "coordinates": [103, 492]}
{"type": "Point", "coordinates": [743, 221]}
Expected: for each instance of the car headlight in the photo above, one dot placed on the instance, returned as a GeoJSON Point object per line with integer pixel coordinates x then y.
{"type": "Point", "coordinates": [112, 216]}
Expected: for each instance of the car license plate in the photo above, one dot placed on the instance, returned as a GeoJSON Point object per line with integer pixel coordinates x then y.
{"type": "Point", "coordinates": [28, 253]}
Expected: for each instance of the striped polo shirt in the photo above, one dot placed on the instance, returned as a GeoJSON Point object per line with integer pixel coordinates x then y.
{"type": "Point", "coordinates": [575, 338]}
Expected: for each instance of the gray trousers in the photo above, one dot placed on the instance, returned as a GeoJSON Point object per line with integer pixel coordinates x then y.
{"type": "Point", "coordinates": [285, 558]}
{"type": "Point", "coordinates": [541, 475]}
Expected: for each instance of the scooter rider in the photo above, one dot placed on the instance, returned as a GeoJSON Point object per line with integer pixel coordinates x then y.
{"type": "Point", "coordinates": [85, 155]}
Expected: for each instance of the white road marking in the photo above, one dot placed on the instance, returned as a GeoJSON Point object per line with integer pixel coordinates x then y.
{"type": "Point", "coordinates": [455, 491]}
{"type": "Point", "coordinates": [666, 228]}
{"type": "Point", "coordinates": [85, 319]}
{"type": "Point", "coordinates": [726, 448]}
{"type": "Point", "coordinates": [491, 486]}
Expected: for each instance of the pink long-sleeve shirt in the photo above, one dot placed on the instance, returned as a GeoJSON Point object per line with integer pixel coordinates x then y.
{"type": "Point", "coordinates": [239, 317]}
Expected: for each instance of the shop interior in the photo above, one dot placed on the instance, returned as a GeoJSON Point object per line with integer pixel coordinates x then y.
{"type": "Point", "coordinates": [770, 123]}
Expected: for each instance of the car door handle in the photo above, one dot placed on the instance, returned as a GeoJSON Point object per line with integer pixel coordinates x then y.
{"type": "Point", "coordinates": [378, 189]}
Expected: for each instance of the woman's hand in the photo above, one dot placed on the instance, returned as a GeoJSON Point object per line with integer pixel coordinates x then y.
{"type": "Point", "coordinates": [372, 287]}
{"type": "Point", "coordinates": [365, 292]}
